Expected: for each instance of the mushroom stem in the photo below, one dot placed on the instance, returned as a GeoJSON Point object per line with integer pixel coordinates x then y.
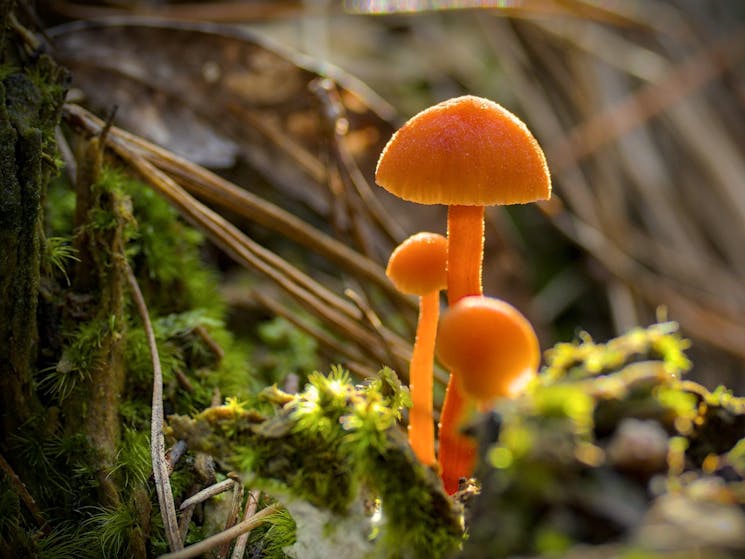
{"type": "Point", "coordinates": [457, 452]}
{"type": "Point", "coordinates": [465, 251]}
{"type": "Point", "coordinates": [421, 425]}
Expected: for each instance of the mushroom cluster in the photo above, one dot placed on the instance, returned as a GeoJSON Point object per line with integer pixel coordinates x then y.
{"type": "Point", "coordinates": [468, 153]}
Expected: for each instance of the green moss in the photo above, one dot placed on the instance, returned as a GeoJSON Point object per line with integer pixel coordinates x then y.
{"type": "Point", "coordinates": [133, 465]}
{"type": "Point", "coordinates": [275, 535]}
{"type": "Point", "coordinates": [112, 530]}
{"type": "Point", "coordinates": [59, 208]}
{"type": "Point", "coordinates": [601, 438]}
{"type": "Point", "coordinates": [328, 446]}
{"type": "Point", "coordinates": [188, 317]}
{"type": "Point", "coordinates": [585, 358]}
{"type": "Point", "coordinates": [58, 253]}
{"type": "Point", "coordinates": [289, 350]}
{"type": "Point", "coordinates": [79, 358]}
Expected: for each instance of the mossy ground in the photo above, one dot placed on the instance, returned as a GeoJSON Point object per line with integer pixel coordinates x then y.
{"type": "Point", "coordinates": [333, 446]}
{"type": "Point", "coordinates": [561, 466]}
{"type": "Point", "coordinates": [199, 356]}
{"type": "Point", "coordinates": [612, 449]}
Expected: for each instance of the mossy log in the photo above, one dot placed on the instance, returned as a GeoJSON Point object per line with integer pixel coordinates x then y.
{"type": "Point", "coordinates": [32, 90]}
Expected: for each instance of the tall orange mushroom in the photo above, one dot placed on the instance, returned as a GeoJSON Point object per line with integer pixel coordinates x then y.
{"type": "Point", "coordinates": [418, 267]}
{"type": "Point", "coordinates": [467, 153]}
{"type": "Point", "coordinates": [491, 344]}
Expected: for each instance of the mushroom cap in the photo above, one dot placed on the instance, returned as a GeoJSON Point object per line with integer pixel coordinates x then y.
{"type": "Point", "coordinates": [489, 345]}
{"type": "Point", "coordinates": [466, 151]}
{"type": "Point", "coordinates": [419, 264]}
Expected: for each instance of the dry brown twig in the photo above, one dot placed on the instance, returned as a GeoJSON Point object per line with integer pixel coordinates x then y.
{"type": "Point", "coordinates": [235, 509]}
{"type": "Point", "coordinates": [226, 536]}
{"type": "Point", "coordinates": [213, 188]}
{"type": "Point", "coordinates": [251, 504]}
{"type": "Point", "coordinates": [207, 493]}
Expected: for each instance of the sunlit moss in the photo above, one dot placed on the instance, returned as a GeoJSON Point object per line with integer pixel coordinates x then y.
{"type": "Point", "coordinates": [585, 358]}
{"type": "Point", "coordinates": [329, 446]}
{"type": "Point", "coordinates": [599, 436]}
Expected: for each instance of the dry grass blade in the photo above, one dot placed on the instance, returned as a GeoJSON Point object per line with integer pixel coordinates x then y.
{"type": "Point", "coordinates": [377, 326]}
{"type": "Point", "coordinates": [157, 443]}
{"type": "Point", "coordinates": [640, 106]}
{"type": "Point", "coordinates": [719, 327]}
{"type": "Point", "coordinates": [650, 184]}
{"type": "Point", "coordinates": [351, 175]}
{"type": "Point", "coordinates": [197, 11]}
{"type": "Point", "coordinates": [335, 311]}
{"type": "Point", "coordinates": [235, 509]}
{"type": "Point", "coordinates": [213, 188]}
{"type": "Point", "coordinates": [230, 237]}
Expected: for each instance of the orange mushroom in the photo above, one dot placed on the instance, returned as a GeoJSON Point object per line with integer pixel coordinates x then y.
{"type": "Point", "coordinates": [418, 267]}
{"type": "Point", "coordinates": [467, 153]}
{"type": "Point", "coordinates": [492, 346]}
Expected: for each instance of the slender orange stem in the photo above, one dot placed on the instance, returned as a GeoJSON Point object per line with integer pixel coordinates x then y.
{"type": "Point", "coordinates": [421, 424]}
{"type": "Point", "coordinates": [465, 251]}
{"type": "Point", "coordinates": [457, 452]}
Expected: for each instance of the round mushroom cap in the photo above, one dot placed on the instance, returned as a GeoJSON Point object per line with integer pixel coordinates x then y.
{"type": "Point", "coordinates": [489, 345]}
{"type": "Point", "coordinates": [419, 264]}
{"type": "Point", "coordinates": [466, 151]}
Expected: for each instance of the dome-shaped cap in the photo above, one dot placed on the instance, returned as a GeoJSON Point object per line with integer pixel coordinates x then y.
{"type": "Point", "coordinates": [466, 151]}
{"type": "Point", "coordinates": [419, 264]}
{"type": "Point", "coordinates": [489, 344]}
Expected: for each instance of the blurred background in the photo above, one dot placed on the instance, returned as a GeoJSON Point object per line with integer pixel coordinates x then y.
{"type": "Point", "coordinates": [638, 106]}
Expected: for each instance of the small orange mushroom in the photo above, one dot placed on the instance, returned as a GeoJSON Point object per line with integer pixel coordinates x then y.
{"type": "Point", "coordinates": [418, 267]}
{"type": "Point", "coordinates": [492, 346]}
{"type": "Point", "coordinates": [467, 153]}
